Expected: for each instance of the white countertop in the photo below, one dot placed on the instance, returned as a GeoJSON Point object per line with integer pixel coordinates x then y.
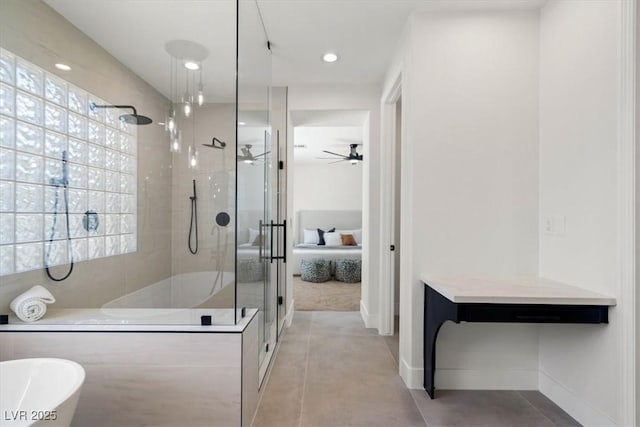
{"type": "Point", "coordinates": [527, 290]}
{"type": "Point", "coordinates": [132, 320]}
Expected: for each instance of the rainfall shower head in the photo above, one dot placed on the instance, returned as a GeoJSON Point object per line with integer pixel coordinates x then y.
{"type": "Point", "coordinates": [216, 143]}
{"type": "Point", "coordinates": [132, 119]}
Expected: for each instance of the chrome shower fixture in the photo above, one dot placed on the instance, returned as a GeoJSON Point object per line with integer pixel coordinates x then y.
{"type": "Point", "coordinates": [132, 119]}
{"type": "Point", "coordinates": [216, 143]}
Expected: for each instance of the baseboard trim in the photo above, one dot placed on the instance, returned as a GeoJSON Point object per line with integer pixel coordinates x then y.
{"type": "Point", "coordinates": [289, 317]}
{"type": "Point", "coordinates": [572, 404]}
{"type": "Point", "coordinates": [487, 379]}
{"type": "Point", "coordinates": [413, 377]}
{"type": "Point", "coordinates": [370, 321]}
{"type": "Point", "coordinates": [472, 379]}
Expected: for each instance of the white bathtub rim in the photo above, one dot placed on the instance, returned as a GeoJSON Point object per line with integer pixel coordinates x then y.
{"type": "Point", "coordinates": [59, 401]}
{"type": "Point", "coordinates": [228, 278]}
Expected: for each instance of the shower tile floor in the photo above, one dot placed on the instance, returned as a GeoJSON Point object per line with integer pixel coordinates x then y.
{"type": "Point", "coordinates": [331, 371]}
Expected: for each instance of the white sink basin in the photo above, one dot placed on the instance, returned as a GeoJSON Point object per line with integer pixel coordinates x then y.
{"type": "Point", "coordinates": [39, 392]}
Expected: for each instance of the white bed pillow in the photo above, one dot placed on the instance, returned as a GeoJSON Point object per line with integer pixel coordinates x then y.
{"type": "Point", "coordinates": [333, 239]}
{"type": "Point", "coordinates": [310, 237]}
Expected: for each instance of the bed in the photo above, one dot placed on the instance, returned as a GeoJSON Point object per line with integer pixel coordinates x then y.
{"type": "Point", "coordinates": [346, 221]}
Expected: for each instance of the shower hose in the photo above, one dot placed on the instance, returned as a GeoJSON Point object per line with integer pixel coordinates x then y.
{"type": "Point", "coordinates": [65, 191]}
{"type": "Point", "coordinates": [193, 225]}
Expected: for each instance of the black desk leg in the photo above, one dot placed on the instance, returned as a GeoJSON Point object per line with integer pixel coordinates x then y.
{"type": "Point", "coordinates": [437, 310]}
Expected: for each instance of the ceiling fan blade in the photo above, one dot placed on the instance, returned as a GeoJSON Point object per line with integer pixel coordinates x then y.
{"type": "Point", "coordinates": [259, 155]}
{"type": "Point", "coordinates": [331, 152]}
{"type": "Point", "coordinates": [339, 161]}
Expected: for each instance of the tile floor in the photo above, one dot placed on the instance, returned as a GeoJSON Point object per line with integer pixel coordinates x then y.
{"type": "Point", "coordinates": [331, 371]}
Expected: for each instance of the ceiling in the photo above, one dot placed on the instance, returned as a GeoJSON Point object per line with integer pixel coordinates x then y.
{"type": "Point", "coordinates": [331, 138]}
{"type": "Point", "coordinates": [332, 118]}
{"type": "Point", "coordinates": [135, 32]}
{"type": "Point", "coordinates": [363, 33]}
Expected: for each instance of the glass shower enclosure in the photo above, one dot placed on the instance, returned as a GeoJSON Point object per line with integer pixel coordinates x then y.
{"type": "Point", "coordinates": [258, 231]}
{"type": "Point", "coordinates": [122, 220]}
{"type": "Point", "coordinates": [136, 194]}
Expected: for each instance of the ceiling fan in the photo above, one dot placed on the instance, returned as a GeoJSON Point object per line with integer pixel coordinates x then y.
{"type": "Point", "coordinates": [353, 157]}
{"type": "Point", "coordinates": [247, 156]}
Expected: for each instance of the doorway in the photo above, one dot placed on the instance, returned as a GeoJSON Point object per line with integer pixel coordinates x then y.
{"type": "Point", "coordinates": [326, 208]}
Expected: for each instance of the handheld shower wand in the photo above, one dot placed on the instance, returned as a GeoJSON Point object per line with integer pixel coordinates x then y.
{"type": "Point", "coordinates": [194, 220]}
{"type": "Point", "coordinates": [64, 183]}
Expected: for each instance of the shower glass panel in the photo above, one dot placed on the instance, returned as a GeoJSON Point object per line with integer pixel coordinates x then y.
{"type": "Point", "coordinates": [117, 169]}
{"type": "Point", "coordinates": [256, 286]}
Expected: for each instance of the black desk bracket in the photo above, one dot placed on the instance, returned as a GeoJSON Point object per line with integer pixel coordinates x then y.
{"type": "Point", "coordinates": [438, 309]}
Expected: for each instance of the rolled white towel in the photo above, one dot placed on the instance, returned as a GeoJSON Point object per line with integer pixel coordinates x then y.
{"type": "Point", "coordinates": [32, 305]}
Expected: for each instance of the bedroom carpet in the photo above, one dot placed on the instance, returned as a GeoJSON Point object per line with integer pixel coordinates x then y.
{"type": "Point", "coordinates": [327, 296]}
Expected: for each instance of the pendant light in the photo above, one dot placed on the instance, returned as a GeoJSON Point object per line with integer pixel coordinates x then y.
{"type": "Point", "coordinates": [200, 90]}
{"type": "Point", "coordinates": [193, 151]}
{"type": "Point", "coordinates": [186, 60]}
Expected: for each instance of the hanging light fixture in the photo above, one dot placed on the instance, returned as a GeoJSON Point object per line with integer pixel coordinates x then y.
{"type": "Point", "coordinates": [176, 141]}
{"type": "Point", "coordinates": [193, 152]}
{"type": "Point", "coordinates": [186, 60]}
{"type": "Point", "coordinates": [200, 90]}
{"type": "Point", "coordinates": [187, 99]}
{"type": "Point", "coordinates": [193, 157]}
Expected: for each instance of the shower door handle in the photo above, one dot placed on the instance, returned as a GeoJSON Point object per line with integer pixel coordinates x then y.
{"type": "Point", "coordinates": [261, 248]}
{"type": "Point", "coordinates": [260, 245]}
{"type": "Point", "coordinates": [282, 257]}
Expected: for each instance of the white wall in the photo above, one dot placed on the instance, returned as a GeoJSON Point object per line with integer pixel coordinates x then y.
{"type": "Point", "coordinates": [469, 184]}
{"type": "Point", "coordinates": [215, 189]}
{"type": "Point", "coordinates": [365, 98]}
{"type": "Point", "coordinates": [637, 302]}
{"type": "Point", "coordinates": [319, 186]}
{"type": "Point", "coordinates": [579, 66]}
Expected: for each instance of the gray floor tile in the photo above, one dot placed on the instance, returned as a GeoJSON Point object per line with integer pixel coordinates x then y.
{"type": "Point", "coordinates": [330, 371]}
{"type": "Point", "coordinates": [339, 323]}
{"type": "Point", "coordinates": [550, 410]}
{"type": "Point", "coordinates": [341, 354]}
{"type": "Point", "coordinates": [300, 324]}
{"type": "Point", "coordinates": [357, 399]}
{"type": "Point", "coordinates": [471, 408]}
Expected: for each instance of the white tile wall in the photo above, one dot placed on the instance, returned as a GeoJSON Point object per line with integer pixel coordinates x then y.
{"type": "Point", "coordinates": [41, 116]}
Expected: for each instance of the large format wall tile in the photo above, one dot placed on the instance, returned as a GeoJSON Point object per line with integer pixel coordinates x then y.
{"type": "Point", "coordinates": [156, 379]}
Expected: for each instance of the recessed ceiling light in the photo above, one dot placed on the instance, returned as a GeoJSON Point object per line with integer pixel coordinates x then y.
{"type": "Point", "coordinates": [63, 67]}
{"type": "Point", "coordinates": [190, 65]}
{"type": "Point", "coordinates": [329, 57]}
{"type": "Point", "coordinates": [241, 123]}
{"type": "Point", "coordinates": [161, 123]}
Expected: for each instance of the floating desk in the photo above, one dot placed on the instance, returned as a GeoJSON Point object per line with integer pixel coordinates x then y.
{"type": "Point", "coordinates": [523, 300]}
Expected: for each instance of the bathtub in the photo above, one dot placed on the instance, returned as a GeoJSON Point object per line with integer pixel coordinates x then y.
{"type": "Point", "coordinates": [39, 392]}
{"type": "Point", "coordinates": [186, 290]}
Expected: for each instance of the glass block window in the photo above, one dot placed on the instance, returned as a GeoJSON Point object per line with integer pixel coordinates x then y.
{"type": "Point", "coordinates": [47, 127]}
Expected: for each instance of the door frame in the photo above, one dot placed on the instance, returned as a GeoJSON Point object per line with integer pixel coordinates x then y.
{"type": "Point", "coordinates": [388, 179]}
{"type": "Point", "coordinates": [628, 215]}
